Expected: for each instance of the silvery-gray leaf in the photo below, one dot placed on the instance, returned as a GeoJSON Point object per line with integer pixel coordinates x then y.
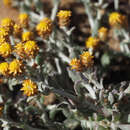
{"type": "Point", "coordinates": [71, 123]}
{"type": "Point", "coordinates": [73, 75]}
{"type": "Point", "coordinates": [124, 127]}
{"type": "Point", "coordinates": [128, 118]}
{"type": "Point", "coordinates": [86, 124]}
{"type": "Point", "coordinates": [110, 98]}
{"type": "Point", "coordinates": [101, 95]}
{"type": "Point", "coordinates": [90, 89]}
{"type": "Point", "coordinates": [121, 95]}
{"type": "Point", "coordinates": [127, 90]}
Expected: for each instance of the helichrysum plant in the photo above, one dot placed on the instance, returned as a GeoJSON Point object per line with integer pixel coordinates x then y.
{"type": "Point", "coordinates": [49, 82]}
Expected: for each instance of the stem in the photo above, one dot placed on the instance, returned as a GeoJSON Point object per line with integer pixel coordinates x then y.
{"type": "Point", "coordinates": [64, 57]}
{"type": "Point", "coordinates": [125, 34]}
{"type": "Point", "coordinates": [89, 13]}
{"type": "Point", "coordinates": [127, 48]}
{"type": "Point", "coordinates": [100, 2]}
{"type": "Point", "coordinates": [12, 40]}
{"type": "Point", "coordinates": [76, 85]}
{"type": "Point", "coordinates": [55, 8]}
{"type": "Point", "coordinates": [36, 16]}
{"type": "Point", "coordinates": [116, 4]}
{"type": "Point", "coordinates": [58, 66]}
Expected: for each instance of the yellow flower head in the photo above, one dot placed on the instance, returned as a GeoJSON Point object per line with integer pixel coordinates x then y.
{"type": "Point", "coordinates": [64, 17]}
{"type": "Point", "coordinates": [76, 64]}
{"type": "Point", "coordinates": [17, 30]}
{"type": "Point", "coordinates": [15, 67]}
{"type": "Point", "coordinates": [4, 67]}
{"type": "Point", "coordinates": [44, 28]}
{"type": "Point", "coordinates": [64, 14]}
{"type": "Point", "coordinates": [19, 49]}
{"type": "Point", "coordinates": [5, 49]}
{"type": "Point", "coordinates": [30, 48]}
{"type": "Point", "coordinates": [2, 40]}
{"type": "Point", "coordinates": [8, 24]}
{"type": "Point", "coordinates": [87, 59]}
{"type": "Point", "coordinates": [4, 33]}
{"type": "Point", "coordinates": [1, 110]}
{"type": "Point", "coordinates": [26, 36]}
{"type": "Point", "coordinates": [102, 33]}
{"type": "Point", "coordinates": [116, 19]}
{"type": "Point", "coordinates": [23, 19]}
{"type": "Point", "coordinates": [29, 87]}
{"type": "Point", "coordinates": [7, 2]}
{"type": "Point", "coordinates": [92, 42]}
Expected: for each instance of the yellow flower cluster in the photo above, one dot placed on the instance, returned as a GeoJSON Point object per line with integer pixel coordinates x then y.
{"type": "Point", "coordinates": [76, 64]}
{"type": "Point", "coordinates": [23, 20]}
{"type": "Point", "coordinates": [85, 61]}
{"type": "Point", "coordinates": [8, 27]}
{"type": "Point", "coordinates": [64, 17]}
{"type": "Point", "coordinates": [102, 33]}
{"type": "Point", "coordinates": [13, 68]}
{"type": "Point", "coordinates": [19, 49]}
{"type": "Point", "coordinates": [117, 20]}
{"type": "Point", "coordinates": [17, 30]}
{"type": "Point", "coordinates": [29, 87]}
{"type": "Point", "coordinates": [26, 36]}
{"type": "Point", "coordinates": [7, 2]}
{"type": "Point", "coordinates": [8, 24]}
{"type": "Point", "coordinates": [44, 28]}
{"type": "Point", "coordinates": [5, 49]}
{"type": "Point", "coordinates": [4, 68]}
{"type": "Point", "coordinates": [92, 42]}
{"type": "Point", "coordinates": [29, 48]}
{"type": "Point", "coordinates": [4, 35]}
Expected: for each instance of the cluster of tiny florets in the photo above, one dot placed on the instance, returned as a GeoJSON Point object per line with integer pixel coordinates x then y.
{"type": "Point", "coordinates": [24, 47]}
{"type": "Point", "coordinates": [26, 36]}
{"type": "Point", "coordinates": [13, 68]}
{"type": "Point", "coordinates": [118, 20]}
{"type": "Point", "coordinates": [44, 28]}
{"type": "Point", "coordinates": [7, 2]}
{"type": "Point", "coordinates": [85, 61]}
{"type": "Point", "coordinates": [17, 30]}
{"type": "Point", "coordinates": [4, 35]}
{"type": "Point", "coordinates": [103, 33]}
{"type": "Point", "coordinates": [23, 20]}
{"type": "Point", "coordinates": [64, 17]}
{"type": "Point", "coordinates": [93, 42]}
{"type": "Point", "coordinates": [5, 49]}
{"type": "Point", "coordinates": [29, 87]}
{"type": "Point", "coordinates": [30, 48]}
{"type": "Point", "coordinates": [8, 24]}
